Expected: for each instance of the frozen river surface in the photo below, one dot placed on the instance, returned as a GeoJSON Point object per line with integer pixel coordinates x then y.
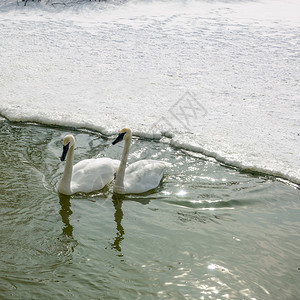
{"type": "Point", "coordinates": [221, 77]}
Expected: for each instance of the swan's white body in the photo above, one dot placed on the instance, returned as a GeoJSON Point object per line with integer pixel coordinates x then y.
{"type": "Point", "coordinates": [86, 176]}
{"type": "Point", "coordinates": [139, 177]}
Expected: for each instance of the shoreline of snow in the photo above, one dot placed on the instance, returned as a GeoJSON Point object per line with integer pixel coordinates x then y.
{"type": "Point", "coordinates": [174, 141]}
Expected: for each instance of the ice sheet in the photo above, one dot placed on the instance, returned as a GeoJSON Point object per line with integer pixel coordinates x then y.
{"type": "Point", "coordinates": [218, 77]}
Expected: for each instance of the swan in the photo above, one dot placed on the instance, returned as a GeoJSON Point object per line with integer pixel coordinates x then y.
{"type": "Point", "coordinates": [139, 177]}
{"type": "Point", "coordinates": [86, 176]}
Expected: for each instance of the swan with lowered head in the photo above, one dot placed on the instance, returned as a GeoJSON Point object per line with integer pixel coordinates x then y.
{"type": "Point", "coordinates": [139, 177]}
{"type": "Point", "coordinates": [86, 176]}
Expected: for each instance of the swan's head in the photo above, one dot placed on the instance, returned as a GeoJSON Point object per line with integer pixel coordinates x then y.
{"type": "Point", "coordinates": [125, 134]}
{"type": "Point", "coordinates": [69, 141]}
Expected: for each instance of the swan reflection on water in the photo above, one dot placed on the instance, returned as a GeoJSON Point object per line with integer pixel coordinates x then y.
{"type": "Point", "coordinates": [117, 201]}
{"type": "Point", "coordinates": [118, 216]}
{"type": "Point", "coordinates": [65, 213]}
{"type": "Point", "coordinates": [66, 236]}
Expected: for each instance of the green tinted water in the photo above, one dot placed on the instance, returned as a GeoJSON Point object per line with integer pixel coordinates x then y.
{"type": "Point", "coordinates": [207, 232]}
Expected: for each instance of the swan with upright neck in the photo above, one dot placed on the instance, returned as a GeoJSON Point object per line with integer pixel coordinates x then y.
{"type": "Point", "coordinates": [139, 177]}
{"type": "Point", "coordinates": [87, 175]}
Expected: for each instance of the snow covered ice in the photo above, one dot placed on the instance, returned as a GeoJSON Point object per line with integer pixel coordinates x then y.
{"type": "Point", "coordinates": [108, 65]}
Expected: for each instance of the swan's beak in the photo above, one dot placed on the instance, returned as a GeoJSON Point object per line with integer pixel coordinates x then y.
{"type": "Point", "coordinates": [119, 138]}
{"type": "Point", "coordinates": [65, 151]}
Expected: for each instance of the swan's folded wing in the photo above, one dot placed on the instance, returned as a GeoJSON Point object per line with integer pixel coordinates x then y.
{"type": "Point", "coordinates": [116, 164]}
{"type": "Point", "coordinates": [144, 175]}
{"type": "Point", "coordinates": [92, 174]}
{"type": "Point", "coordinates": [150, 164]}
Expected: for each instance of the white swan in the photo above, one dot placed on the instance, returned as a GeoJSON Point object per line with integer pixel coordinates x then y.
{"type": "Point", "coordinates": [139, 177]}
{"type": "Point", "coordinates": [86, 176]}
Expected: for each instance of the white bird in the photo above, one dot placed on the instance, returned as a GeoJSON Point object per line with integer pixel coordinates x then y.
{"type": "Point", "coordinates": [86, 176]}
{"type": "Point", "coordinates": [139, 177]}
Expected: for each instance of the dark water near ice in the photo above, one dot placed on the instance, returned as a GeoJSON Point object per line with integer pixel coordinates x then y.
{"type": "Point", "coordinates": [207, 232]}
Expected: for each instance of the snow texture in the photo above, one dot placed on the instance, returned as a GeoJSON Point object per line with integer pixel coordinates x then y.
{"type": "Point", "coordinates": [218, 77]}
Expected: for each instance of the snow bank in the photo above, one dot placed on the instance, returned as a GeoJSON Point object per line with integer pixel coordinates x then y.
{"type": "Point", "coordinates": [219, 77]}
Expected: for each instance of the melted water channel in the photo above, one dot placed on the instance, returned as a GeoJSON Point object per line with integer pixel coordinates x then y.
{"type": "Point", "coordinates": [207, 232]}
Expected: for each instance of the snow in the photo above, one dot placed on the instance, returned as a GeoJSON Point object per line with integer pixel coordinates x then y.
{"type": "Point", "coordinates": [217, 77]}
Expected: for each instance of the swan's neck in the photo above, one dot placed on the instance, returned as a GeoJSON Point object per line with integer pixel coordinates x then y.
{"type": "Point", "coordinates": [65, 183]}
{"type": "Point", "coordinates": [119, 182]}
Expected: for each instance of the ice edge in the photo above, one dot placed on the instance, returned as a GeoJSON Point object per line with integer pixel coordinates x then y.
{"type": "Point", "coordinates": [173, 141]}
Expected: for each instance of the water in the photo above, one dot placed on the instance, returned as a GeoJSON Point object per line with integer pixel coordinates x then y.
{"type": "Point", "coordinates": [208, 231]}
